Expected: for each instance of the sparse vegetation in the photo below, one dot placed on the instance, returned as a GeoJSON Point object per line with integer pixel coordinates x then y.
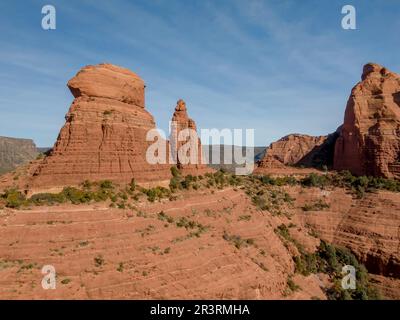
{"type": "Point", "coordinates": [291, 285]}
{"type": "Point", "coordinates": [237, 241]}
{"type": "Point", "coordinates": [156, 193]}
{"type": "Point", "coordinates": [99, 261]}
{"type": "Point", "coordinates": [330, 259]}
{"type": "Point", "coordinates": [316, 206]}
{"type": "Point", "coordinates": [120, 267]}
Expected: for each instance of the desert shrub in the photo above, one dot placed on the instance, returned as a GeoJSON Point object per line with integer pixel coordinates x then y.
{"type": "Point", "coordinates": [175, 172]}
{"type": "Point", "coordinates": [100, 195]}
{"type": "Point", "coordinates": [330, 259]}
{"type": "Point", "coordinates": [316, 206]}
{"type": "Point", "coordinates": [99, 261]}
{"type": "Point", "coordinates": [314, 180]}
{"type": "Point", "coordinates": [106, 184]}
{"type": "Point", "coordinates": [132, 185]}
{"type": "Point", "coordinates": [237, 241]}
{"type": "Point", "coordinates": [283, 231]}
{"type": "Point", "coordinates": [164, 217]}
{"type": "Point", "coordinates": [47, 198]}
{"type": "Point", "coordinates": [361, 185]}
{"type": "Point", "coordinates": [77, 196]}
{"type": "Point", "coordinates": [260, 202]}
{"type": "Point", "coordinates": [184, 222]}
{"type": "Point", "coordinates": [174, 184]}
{"type": "Point", "coordinates": [14, 198]}
{"type": "Point", "coordinates": [156, 193]}
{"type": "Point", "coordinates": [291, 285]}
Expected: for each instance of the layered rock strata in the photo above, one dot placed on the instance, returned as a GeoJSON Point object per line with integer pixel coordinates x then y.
{"type": "Point", "coordinates": [104, 136]}
{"type": "Point", "coordinates": [369, 142]}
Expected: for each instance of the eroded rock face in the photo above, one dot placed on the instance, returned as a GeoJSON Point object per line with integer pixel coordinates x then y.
{"type": "Point", "coordinates": [104, 136]}
{"type": "Point", "coordinates": [369, 226]}
{"type": "Point", "coordinates": [369, 142]}
{"type": "Point", "coordinates": [299, 149]}
{"type": "Point", "coordinates": [189, 160]}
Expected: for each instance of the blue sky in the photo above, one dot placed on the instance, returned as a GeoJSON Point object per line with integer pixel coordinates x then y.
{"type": "Point", "coordinates": [276, 66]}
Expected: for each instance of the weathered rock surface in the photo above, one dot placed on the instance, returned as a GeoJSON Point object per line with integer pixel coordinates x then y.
{"type": "Point", "coordinates": [189, 159]}
{"type": "Point", "coordinates": [104, 136]}
{"type": "Point", "coordinates": [370, 226]}
{"type": "Point", "coordinates": [369, 142]}
{"type": "Point", "coordinates": [15, 152]}
{"type": "Point", "coordinates": [109, 81]}
{"type": "Point", "coordinates": [301, 150]}
{"type": "Point", "coordinates": [143, 259]}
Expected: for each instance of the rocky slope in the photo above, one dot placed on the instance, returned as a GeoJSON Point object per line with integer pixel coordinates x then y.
{"type": "Point", "coordinates": [212, 242]}
{"type": "Point", "coordinates": [369, 142]}
{"type": "Point", "coordinates": [370, 227]}
{"type": "Point", "coordinates": [15, 152]}
{"type": "Point", "coordinates": [104, 136]}
{"type": "Point", "coordinates": [104, 253]}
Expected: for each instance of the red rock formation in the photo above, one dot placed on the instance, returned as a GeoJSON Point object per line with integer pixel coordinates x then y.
{"type": "Point", "coordinates": [299, 149]}
{"type": "Point", "coordinates": [369, 142]}
{"type": "Point", "coordinates": [104, 136]}
{"type": "Point", "coordinates": [189, 162]}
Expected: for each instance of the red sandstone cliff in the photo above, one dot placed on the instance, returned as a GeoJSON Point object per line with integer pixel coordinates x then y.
{"type": "Point", "coordinates": [369, 142]}
{"type": "Point", "coordinates": [299, 149]}
{"type": "Point", "coordinates": [104, 136]}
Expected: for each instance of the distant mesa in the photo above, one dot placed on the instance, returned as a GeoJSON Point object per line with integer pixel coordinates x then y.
{"type": "Point", "coordinates": [299, 150]}
{"type": "Point", "coordinates": [15, 152]}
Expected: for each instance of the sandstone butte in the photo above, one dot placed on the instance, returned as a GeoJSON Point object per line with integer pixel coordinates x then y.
{"type": "Point", "coordinates": [369, 142]}
{"type": "Point", "coordinates": [104, 136]}
{"type": "Point", "coordinates": [181, 121]}
{"type": "Point", "coordinates": [299, 150]}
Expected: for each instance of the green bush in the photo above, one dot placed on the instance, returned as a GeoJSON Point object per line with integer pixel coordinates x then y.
{"type": "Point", "coordinates": [316, 206]}
{"type": "Point", "coordinates": [47, 198]}
{"type": "Point", "coordinates": [106, 184]}
{"type": "Point", "coordinates": [77, 196]}
{"type": "Point", "coordinates": [175, 172]}
{"type": "Point", "coordinates": [14, 198]}
{"type": "Point", "coordinates": [156, 193]}
{"type": "Point", "coordinates": [330, 259]}
{"type": "Point", "coordinates": [314, 180]}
